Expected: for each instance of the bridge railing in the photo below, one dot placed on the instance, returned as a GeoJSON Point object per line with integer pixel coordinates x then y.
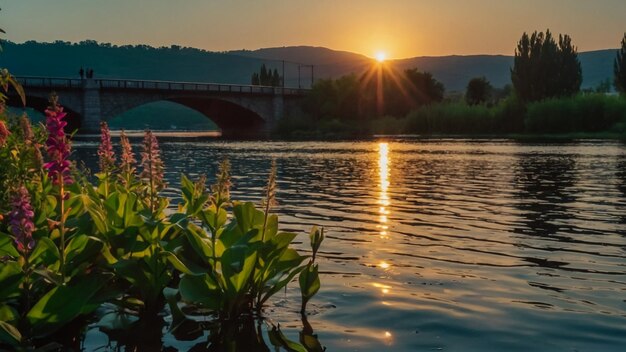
{"type": "Point", "coordinates": [51, 82]}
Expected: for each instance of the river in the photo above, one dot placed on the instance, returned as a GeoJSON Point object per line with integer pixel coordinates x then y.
{"type": "Point", "coordinates": [453, 245]}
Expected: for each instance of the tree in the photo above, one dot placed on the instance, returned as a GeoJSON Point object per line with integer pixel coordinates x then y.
{"type": "Point", "coordinates": [620, 68]}
{"type": "Point", "coordinates": [543, 68]}
{"type": "Point", "coordinates": [275, 79]}
{"type": "Point", "coordinates": [255, 79]}
{"type": "Point", "coordinates": [603, 87]}
{"type": "Point", "coordinates": [425, 88]}
{"type": "Point", "coordinates": [478, 91]}
{"type": "Point", "coordinates": [264, 77]}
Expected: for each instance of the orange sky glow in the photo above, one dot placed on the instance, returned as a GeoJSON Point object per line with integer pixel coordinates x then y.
{"type": "Point", "coordinates": [399, 28]}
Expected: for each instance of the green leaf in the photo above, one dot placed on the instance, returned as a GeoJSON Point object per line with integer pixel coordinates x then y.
{"type": "Point", "coordinates": [278, 339]}
{"type": "Point", "coordinates": [275, 287]}
{"type": "Point", "coordinates": [311, 342]}
{"type": "Point", "coordinates": [19, 89]}
{"type": "Point", "coordinates": [11, 277]}
{"type": "Point", "coordinates": [283, 239]}
{"type": "Point", "coordinates": [63, 304]}
{"type": "Point", "coordinates": [45, 252]}
{"type": "Point", "coordinates": [188, 268]}
{"type": "Point", "coordinates": [9, 334]}
{"type": "Point", "coordinates": [76, 245]}
{"type": "Point", "coordinates": [200, 289]}
{"type": "Point", "coordinates": [309, 283]}
{"type": "Point", "coordinates": [237, 265]}
{"type": "Point", "coordinates": [7, 247]}
{"type": "Point", "coordinates": [199, 242]}
{"type": "Point", "coordinates": [8, 313]}
{"type": "Point", "coordinates": [49, 275]}
{"type": "Point", "coordinates": [248, 217]}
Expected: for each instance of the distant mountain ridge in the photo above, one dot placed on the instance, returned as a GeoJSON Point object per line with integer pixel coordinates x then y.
{"type": "Point", "coordinates": [190, 64]}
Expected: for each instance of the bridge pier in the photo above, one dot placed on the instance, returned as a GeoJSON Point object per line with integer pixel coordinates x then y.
{"type": "Point", "coordinates": [278, 112]}
{"type": "Point", "coordinates": [91, 109]}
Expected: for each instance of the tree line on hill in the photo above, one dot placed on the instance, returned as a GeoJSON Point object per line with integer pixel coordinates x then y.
{"type": "Point", "coordinates": [266, 77]}
{"type": "Point", "coordinates": [544, 97]}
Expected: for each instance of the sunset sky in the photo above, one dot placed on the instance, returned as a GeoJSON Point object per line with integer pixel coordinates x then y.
{"type": "Point", "coordinates": [400, 28]}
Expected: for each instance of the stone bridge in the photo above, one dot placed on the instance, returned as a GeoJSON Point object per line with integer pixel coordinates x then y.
{"type": "Point", "coordinates": [239, 110]}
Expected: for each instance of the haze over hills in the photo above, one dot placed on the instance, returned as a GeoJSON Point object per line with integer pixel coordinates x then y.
{"type": "Point", "coordinates": [62, 59]}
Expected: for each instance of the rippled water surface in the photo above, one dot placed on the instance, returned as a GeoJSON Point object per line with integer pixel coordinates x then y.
{"type": "Point", "coordinates": [453, 245]}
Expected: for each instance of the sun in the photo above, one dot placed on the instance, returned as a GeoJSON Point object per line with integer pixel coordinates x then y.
{"type": "Point", "coordinates": [381, 56]}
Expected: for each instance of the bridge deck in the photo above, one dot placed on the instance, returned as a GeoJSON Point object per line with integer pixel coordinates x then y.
{"type": "Point", "coordinates": [73, 83]}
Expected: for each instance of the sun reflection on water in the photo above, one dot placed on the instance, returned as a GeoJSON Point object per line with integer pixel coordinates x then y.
{"type": "Point", "coordinates": [383, 199]}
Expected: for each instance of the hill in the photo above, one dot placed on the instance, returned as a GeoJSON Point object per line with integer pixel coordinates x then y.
{"type": "Point", "coordinates": [189, 64]}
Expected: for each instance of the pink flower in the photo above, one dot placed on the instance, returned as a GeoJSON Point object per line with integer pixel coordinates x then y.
{"type": "Point", "coordinates": [4, 133]}
{"type": "Point", "coordinates": [127, 159]}
{"type": "Point", "coordinates": [151, 162]}
{"type": "Point", "coordinates": [152, 173]}
{"type": "Point", "coordinates": [21, 220]}
{"type": "Point", "coordinates": [26, 129]}
{"type": "Point", "coordinates": [58, 146]}
{"type": "Point", "coordinates": [105, 150]}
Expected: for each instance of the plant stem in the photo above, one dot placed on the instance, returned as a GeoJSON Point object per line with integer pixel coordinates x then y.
{"type": "Point", "coordinates": [62, 228]}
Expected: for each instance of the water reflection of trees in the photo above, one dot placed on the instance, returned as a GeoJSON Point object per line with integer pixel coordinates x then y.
{"type": "Point", "coordinates": [621, 186]}
{"type": "Point", "coordinates": [245, 334]}
{"type": "Point", "coordinates": [543, 183]}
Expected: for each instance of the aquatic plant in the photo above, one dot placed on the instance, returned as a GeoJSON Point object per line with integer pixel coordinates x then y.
{"type": "Point", "coordinates": [21, 220]}
{"type": "Point", "coordinates": [152, 173]}
{"type": "Point", "coordinates": [58, 149]}
{"type": "Point", "coordinates": [67, 247]}
{"type": "Point", "coordinates": [233, 267]}
{"type": "Point", "coordinates": [4, 133]}
{"type": "Point", "coordinates": [58, 146]}
{"type": "Point", "coordinates": [106, 158]}
{"type": "Point", "coordinates": [127, 161]}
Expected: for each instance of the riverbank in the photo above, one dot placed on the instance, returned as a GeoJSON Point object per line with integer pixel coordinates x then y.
{"type": "Point", "coordinates": [583, 116]}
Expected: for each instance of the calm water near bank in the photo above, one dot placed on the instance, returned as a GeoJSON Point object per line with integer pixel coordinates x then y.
{"type": "Point", "coordinates": [453, 245]}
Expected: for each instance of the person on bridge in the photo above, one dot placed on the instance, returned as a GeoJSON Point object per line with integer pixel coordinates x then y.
{"type": "Point", "coordinates": [81, 72]}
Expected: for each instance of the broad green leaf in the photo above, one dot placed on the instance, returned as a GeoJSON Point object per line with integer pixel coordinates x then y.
{"type": "Point", "coordinates": [8, 313]}
{"type": "Point", "coordinates": [201, 289]}
{"type": "Point", "coordinates": [6, 246]}
{"type": "Point", "coordinates": [237, 265]}
{"type": "Point", "coordinates": [76, 245]}
{"type": "Point", "coordinates": [276, 286]}
{"type": "Point", "coordinates": [283, 239]}
{"type": "Point", "coordinates": [272, 227]}
{"type": "Point", "coordinates": [11, 277]}
{"type": "Point", "coordinates": [63, 304]}
{"type": "Point", "coordinates": [309, 283]}
{"type": "Point", "coordinates": [199, 242]}
{"type": "Point", "coordinates": [185, 268]}
{"type": "Point", "coordinates": [45, 252]}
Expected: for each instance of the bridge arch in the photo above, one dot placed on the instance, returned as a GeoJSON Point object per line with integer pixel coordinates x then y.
{"type": "Point", "coordinates": [40, 104]}
{"type": "Point", "coordinates": [234, 117]}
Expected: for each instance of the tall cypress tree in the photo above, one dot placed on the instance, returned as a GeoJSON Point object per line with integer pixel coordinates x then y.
{"type": "Point", "coordinates": [275, 78]}
{"type": "Point", "coordinates": [263, 77]}
{"type": "Point", "coordinates": [255, 79]}
{"type": "Point", "coordinates": [620, 68]}
{"type": "Point", "coordinates": [571, 72]}
{"type": "Point", "coordinates": [543, 68]}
